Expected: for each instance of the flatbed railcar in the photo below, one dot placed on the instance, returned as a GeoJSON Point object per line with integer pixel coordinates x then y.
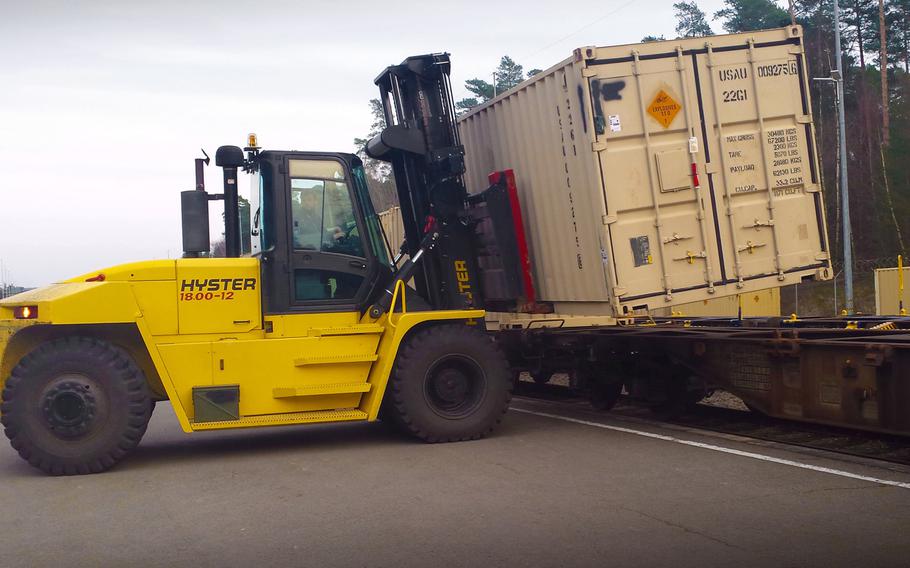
{"type": "Point", "coordinates": [851, 372]}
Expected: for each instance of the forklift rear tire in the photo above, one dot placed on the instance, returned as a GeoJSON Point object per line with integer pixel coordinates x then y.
{"type": "Point", "coordinates": [450, 383]}
{"type": "Point", "coordinates": [75, 405]}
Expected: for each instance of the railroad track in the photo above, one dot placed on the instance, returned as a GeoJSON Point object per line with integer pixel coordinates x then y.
{"type": "Point", "coordinates": [892, 449]}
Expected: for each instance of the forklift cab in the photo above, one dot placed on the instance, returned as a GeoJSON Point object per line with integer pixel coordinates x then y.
{"type": "Point", "coordinates": [314, 227]}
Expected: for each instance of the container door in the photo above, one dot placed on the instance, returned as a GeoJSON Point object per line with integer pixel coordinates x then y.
{"type": "Point", "coordinates": [763, 171]}
{"type": "Point", "coordinates": [650, 147]}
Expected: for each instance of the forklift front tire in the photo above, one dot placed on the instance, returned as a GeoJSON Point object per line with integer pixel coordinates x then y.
{"type": "Point", "coordinates": [450, 383]}
{"type": "Point", "coordinates": [75, 405]}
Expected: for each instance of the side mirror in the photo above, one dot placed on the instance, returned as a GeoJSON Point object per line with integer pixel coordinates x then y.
{"type": "Point", "coordinates": [194, 212]}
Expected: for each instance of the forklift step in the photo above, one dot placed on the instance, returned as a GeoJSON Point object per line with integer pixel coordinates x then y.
{"type": "Point", "coordinates": [346, 330]}
{"type": "Point", "coordinates": [316, 390]}
{"type": "Point", "coordinates": [348, 414]}
{"type": "Point", "coordinates": [329, 359]}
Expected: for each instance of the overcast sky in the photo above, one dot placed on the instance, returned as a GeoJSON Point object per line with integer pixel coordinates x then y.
{"type": "Point", "coordinates": [104, 105]}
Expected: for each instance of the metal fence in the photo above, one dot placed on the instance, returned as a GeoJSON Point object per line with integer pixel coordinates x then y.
{"type": "Point", "coordinates": [828, 298]}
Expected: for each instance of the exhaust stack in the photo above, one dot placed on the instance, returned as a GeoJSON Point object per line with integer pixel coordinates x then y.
{"type": "Point", "coordinates": [194, 212]}
{"type": "Point", "coordinates": [229, 158]}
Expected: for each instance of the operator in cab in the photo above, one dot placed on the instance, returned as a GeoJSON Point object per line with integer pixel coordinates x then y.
{"type": "Point", "coordinates": [308, 219]}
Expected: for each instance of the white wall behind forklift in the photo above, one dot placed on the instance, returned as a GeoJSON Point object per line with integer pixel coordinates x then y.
{"type": "Point", "coordinates": [661, 173]}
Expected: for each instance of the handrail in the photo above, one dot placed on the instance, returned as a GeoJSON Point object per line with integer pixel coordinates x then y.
{"type": "Point", "coordinates": [399, 285]}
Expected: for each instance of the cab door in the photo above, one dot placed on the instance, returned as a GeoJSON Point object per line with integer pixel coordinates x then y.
{"type": "Point", "coordinates": [328, 262]}
{"type": "Point", "coordinates": [320, 269]}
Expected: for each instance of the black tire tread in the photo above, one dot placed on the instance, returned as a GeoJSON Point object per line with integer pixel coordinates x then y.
{"type": "Point", "coordinates": [405, 365]}
{"type": "Point", "coordinates": [116, 359]}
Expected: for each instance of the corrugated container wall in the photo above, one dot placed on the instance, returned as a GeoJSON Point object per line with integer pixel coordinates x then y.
{"type": "Point", "coordinates": [892, 291]}
{"type": "Point", "coordinates": [661, 173]}
{"type": "Point", "coordinates": [393, 227]}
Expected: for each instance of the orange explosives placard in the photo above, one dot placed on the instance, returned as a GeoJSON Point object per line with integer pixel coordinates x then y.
{"type": "Point", "coordinates": [663, 108]}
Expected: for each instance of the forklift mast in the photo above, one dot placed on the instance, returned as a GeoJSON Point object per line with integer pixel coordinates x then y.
{"type": "Point", "coordinates": [472, 248]}
{"type": "Point", "coordinates": [421, 142]}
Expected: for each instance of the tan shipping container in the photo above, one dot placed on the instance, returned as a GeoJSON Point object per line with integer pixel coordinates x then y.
{"type": "Point", "coordinates": [891, 291]}
{"type": "Point", "coordinates": [393, 227]}
{"type": "Point", "coordinates": [661, 173]}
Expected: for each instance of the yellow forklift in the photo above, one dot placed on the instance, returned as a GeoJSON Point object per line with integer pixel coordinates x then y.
{"type": "Point", "coordinates": [316, 325]}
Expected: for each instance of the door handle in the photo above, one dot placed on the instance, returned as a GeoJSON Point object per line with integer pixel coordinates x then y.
{"type": "Point", "coordinates": [357, 264]}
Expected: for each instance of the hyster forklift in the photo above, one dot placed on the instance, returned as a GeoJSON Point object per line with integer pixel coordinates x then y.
{"type": "Point", "coordinates": [316, 325]}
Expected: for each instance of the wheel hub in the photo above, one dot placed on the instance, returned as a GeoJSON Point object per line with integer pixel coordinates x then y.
{"type": "Point", "coordinates": [451, 385]}
{"type": "Point", "coordinates": [455, 386]}
{"type": "Point", "coordinates": [69, 408]}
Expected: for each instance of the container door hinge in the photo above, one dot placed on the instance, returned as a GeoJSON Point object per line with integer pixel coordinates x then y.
{"type": "Point", "coordinates": [822, 256]}
{"type": "Point", "coordinates": [588, 72]}
{"type": "Point", "coordinates": [599, 146]}
{"type": "Point", "coordinates": [608, 219]}
{"type": "Point", "coordinates": [710, 168]}
{"type": "Point", "coordinates": [619, 292]}
{"type": "Point", "coordinates": [804, 119]}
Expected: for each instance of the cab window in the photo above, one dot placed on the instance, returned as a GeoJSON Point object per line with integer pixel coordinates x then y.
{"type": "Point", "coordinates": [323, 217]}
{"type": "Point", "coordinates": [323, 220]}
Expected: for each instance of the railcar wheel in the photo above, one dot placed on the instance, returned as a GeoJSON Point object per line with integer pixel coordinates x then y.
{"type": "Point", "coordinates": [601, 383]}
{"type": "Point", "coordinates": [676, 395]}
{"type": "Point", "coordinates": [605, 395]}
{"type": "Point", "coordinates": [541, 377]}
{"type": "Point", "coordinates": [450, 383]}
{"type": "Point", "coordinates": [75, 405]}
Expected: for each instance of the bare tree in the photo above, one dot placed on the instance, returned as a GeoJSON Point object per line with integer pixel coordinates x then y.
{"type": "Point", "coordinates": [883, 67]}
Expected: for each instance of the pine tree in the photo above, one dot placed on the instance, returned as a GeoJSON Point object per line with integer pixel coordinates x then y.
{"type": "Point", "coordinates": [861, 34]}
{"type": "Point", "coordinates": [690, 20]}
{"type": "Point", "coordinates": [507, 75]}
{"type": "Point", "coordinates": [749, 15]}
{"type": "Point", "coordinates": [380, 181]}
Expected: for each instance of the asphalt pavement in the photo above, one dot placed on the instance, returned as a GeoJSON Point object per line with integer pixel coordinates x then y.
{"type": "Point", "coordinates": [540, 492]}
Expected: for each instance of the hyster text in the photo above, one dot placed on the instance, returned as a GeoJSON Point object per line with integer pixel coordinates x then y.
{"type": "Point", "coordinates": [217, 284]}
